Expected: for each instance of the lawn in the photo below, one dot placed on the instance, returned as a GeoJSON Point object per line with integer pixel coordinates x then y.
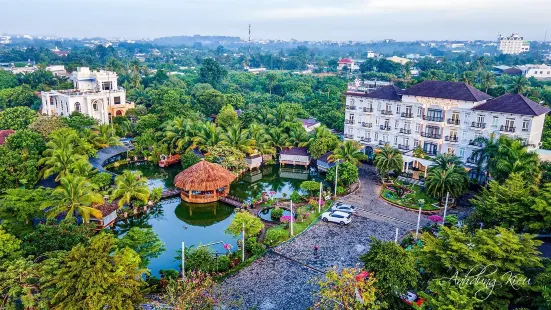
{"type": "Point", "coordinates": [411, 199]}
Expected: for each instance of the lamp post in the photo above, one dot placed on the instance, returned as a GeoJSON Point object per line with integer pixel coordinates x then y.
{"type": "Point", "coordinates": [292, 217]}
{"type": "Point", "coordinates": [396, 236]}
{"type": "Point", "coordinates": [319, 200]}
{"type": "Point", "coordinates": [445, 208]}
{"type": "Point", "coordinates": [243, 244]}
{"type": "Point", "coordinates": [183, 261]}
{"type": "Point", "coordinates": [418, 223]}
{"type": "Point", "coordinates": [336, 176]}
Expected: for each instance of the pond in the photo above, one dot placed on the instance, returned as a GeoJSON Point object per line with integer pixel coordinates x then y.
{"type": "Point", "coordinates": [176, 221]}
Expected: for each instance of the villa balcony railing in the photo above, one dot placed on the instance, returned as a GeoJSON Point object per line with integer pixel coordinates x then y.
{"type": "Point", "coordinates": [433, 118]}
{"type": "Point", "coordinates": [365, 140]}
{"type": "Point", "coordinates": [387, 128]}
{"type": "Point", "coordinates": [431, 153]}
{"type": "Point", "coordinates": [349, 122]}
{"type": "Point", "coordinates": [404, 147]}
{"type": "Point", "coordinates": [367, 125]}
{"type": "Point", "coordinates": [386, 112]}
{"type": "Point", "coordinates": [407, 115]}
{"type": "Point", "coordinates": [405, 131]}
{"type": "Point", "coordinates": [453, 121]}
{"type": "Point", "coordinates": [368, 110]}
{"type": "Point", "coordinates": [431, 135]}
{"type": "Point", "coordinates": [524, 129]}
{"type": "Point", "coordinates": [474, 143]}
{"type": "Point", "coordinates": [478, 125]}
{"type": "Point", "coordinates": [351, 107]}
{"type": "Point", "coordinates": [348, 136]}
{"type": "Point", "coordinates": [381, 142]}
{"type": "Point", "coordinates": [507, 128]}
{"type": "Point", "coordinates": [451, 138]}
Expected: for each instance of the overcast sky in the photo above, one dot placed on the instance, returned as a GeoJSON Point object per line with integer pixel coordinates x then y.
{"type": "Point", "coordinates": [341, 20]}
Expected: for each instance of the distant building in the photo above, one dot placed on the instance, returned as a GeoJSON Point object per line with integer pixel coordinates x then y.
{"type": "Point", "coordinates": [347, 63]}
{"type": "Point", "coordinates": [59, 52]}
{"type": "Point", "coordinates": [366, 86]}
{"type": "Point", "coordinates": [501, 70]}
{"type": "Point", "coordinates": [512, 45]}
{"type": "Point", "coordinates": [372, 54]}
{"type": "Point", "coordinates": [297, 156]}
{"type": "Point", "coordinates": [540, 72]}
{"type": "Point", "coordinates": [57, 70]}
{"type": "Point", "coordinates": [23, 70]}
{"type": "Point", "coordinates": [255, 70]}
{"type": "Point", "coordinates": [310, 124]}
{"type": "Point", "coordinates": [399, 60]}
{"type": "Point", "coordinates": [95, 93]}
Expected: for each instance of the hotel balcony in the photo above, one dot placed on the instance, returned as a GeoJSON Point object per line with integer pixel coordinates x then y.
{"type": "Point", "coordinates": [407, 115]}
{"type": "Point", "coordinates": [386, 112]}
{"type": "Point", "coordinates": [368, 110]}
{"type": "Point", "coordinates": [351, 107]}
{"type": "Point", "coordinates": [478, 125]}
{"type": "Point", "coordinates": [431, 153]}
{"type": "Point", "coordinates": [349, 122]}
{"type": "Point", "coordinates": [437, 119]}
{"type": "Point", "coordinates": [451, 138]}
{"type": "Point", "coordinates": [405, 131]}
{"type": "Point", "coordinates": [474, 143]}
{"type": "Point", "coordinates": [381, 142]}
{"type": "Point", "coordinates": [348, 136]}
{"type": "Point", "coordinates": [431, 135]}
{"type": "Point", "coordinates": [367, 125]}
{"type": "Point", "coordinates": [387, 128]}
{"type": "Point", "coordinates": [454, 121]}
{"type": "Point", "coordinates": [404, 147]}
{"type": "Point", "coordinates": [507, 128]}
{"type": "Point", "coordinates": [365, 140]}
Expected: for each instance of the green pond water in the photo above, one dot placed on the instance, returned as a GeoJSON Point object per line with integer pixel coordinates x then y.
{"type": "Point", "coordinates": [176, 221]}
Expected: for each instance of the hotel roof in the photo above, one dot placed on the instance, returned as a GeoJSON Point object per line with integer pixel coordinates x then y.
{"type": "Point", "coordinates": [514, 104]}
{"type": "Point", "coordinates": [447, 90]}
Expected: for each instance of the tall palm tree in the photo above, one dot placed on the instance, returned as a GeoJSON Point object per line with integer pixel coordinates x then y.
{"type": "Point", "coordinates": [130, 186]}
{"type": "Point", "coordinates": [388, 159]}
{"type": "Point", "coordinates": [82, 168]}
{"type": "Point", "coordinates": [485, 156]}
{"type": "Point", "coordinates": [74, 195]}
{"type": "Point", "coordinates": [520, 85]}
{"type": "Point", "coordinates": [419, 152]}
{"type": "Point", "coordinates": [262, 139]}
{"type": "Point", "coordinates": [264, 116]}
{"type": "Point", "coordinates": [107, 134]}
{"type": "Point", "coordinates": [281, 115]}
{"type": "Point", "coordinates": [179, 134]}
{"type": "Point", "coordinates": [349, 151]}
{"type": "Point", "coordinates": [239, 139]}
{"type": "Point", "coordinates": [298, 137]}
{"type": "Point", "coordinates": [513, 157]}
{"type": "Point", "coordinates": [59, 157]}
{"type": "Point", "coordinates": [279, 138]}
{"type": "Point", "coordinates": [453, 180]}
{"type": "Point", "coordinates": [208, 134]}
{"type": "Point", "coordinates": [488, 80]}
{"type": "Point", "coordinates": [444, 161]}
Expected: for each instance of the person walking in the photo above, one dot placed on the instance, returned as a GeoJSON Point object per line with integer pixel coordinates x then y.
{"type": "Point", "coordinates": [316, 250]}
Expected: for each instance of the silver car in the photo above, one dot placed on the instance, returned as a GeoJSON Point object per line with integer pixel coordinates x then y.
{"type": "Point", "coordinates": [344, 208]}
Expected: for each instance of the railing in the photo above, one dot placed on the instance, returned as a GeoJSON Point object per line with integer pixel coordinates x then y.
{"type": "Point", "coordinates": [403, 147]}
{"type": "Point", "coordinates": [431, 135]}
{"type": "Point", "coordinates": [368, 125]}
{"type": "Point", "coordinates": [349, 121]}
{"type": "Point", "coordinates": [348, 136]}
{"type": "Point", "coordinates": [386, 112]}
{"type": "Point", "coordinates": [381, 142]}
{"type": "Point", "coordinates": [452, 121]}
{"type": "Point", "coordinates": [507, 128]}
{"type": "Point", "coordinates": [524, 129]}
{"type": "Point", "coordinates": [382, 127]}
{"type": "Point", "coordinates": [405, 131]}
{"type": "Point", "coordinates": [351, 107]}
{"type": "Point", "coordinates": [478, 125]}
{"type": "Point", "coordinates": [368, 110]}
{"type": "Point", "coordinates": [367, 140]}
{"type": "Point", "coordinates": [431, 153]}
{"type": "Point", "coordinates": [407, 115]}
{"type": "Point", "coordinates": [473, 142]}
{"type": "Point", "coordinates": [433, 118]}
{"type": "Point", "coordinates": [451, 138]}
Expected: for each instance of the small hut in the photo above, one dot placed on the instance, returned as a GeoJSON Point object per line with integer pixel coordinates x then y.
{"type": "Point", "coordinates": [204, 182]}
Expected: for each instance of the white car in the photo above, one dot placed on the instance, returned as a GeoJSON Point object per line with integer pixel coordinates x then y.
{"type": "Point", "coordinates": [339, 217]}
{"type": "Point", "coordinates": [344, 208]}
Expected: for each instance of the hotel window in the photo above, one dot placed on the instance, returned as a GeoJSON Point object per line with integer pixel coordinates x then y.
{"type": "Point", "coordinates": [376, 136]}
{"type": "Point", "coordinates": [464, 135]}
{"type": "Point", "coordinates": [419, 111]}
{"type": "Point", "coordinates": [379, 106]}
{"type": "Point", "coordinates": [461, 153]}
{"type": "Point", "coordinates": [351, 118]}
{"type": "Point", "coordinates": [95, 106]}
{"type": "Point", "coordinates": [495, 120]}
{"type": "Point", "coordinates": [525, 124]}
{"type": "Point", "coordinates": [117, 100]}
{"type": "Point", "coordinates": [451, 150]}
{"type": "Point", "coordinates": [77, 106]}
{"type": "Point", "coordinates": [396, 124]}
{"type": "Point", "coordinates": [415, 143]}
{"type": "Point", "coordinates": [395, 140]}
{"type": "Point", "coordinates": [106, 85]}
{"type": "Point", "coordinates": [397, 109]}
{"type": "Point", "coordinates": [417, 127]}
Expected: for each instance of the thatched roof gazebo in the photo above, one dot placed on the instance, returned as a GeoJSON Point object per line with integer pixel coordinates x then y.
{"type": "Point", "coordinates": [204, 182]}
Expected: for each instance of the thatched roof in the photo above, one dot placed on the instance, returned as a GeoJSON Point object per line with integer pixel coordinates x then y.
{"type": "Point", "coordinates": [204, 176]}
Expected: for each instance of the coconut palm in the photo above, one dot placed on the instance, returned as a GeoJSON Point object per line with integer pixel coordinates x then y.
{"type": "Point", "coordinates": [130, 186]}
{"type": "Point", "coordinates": [485, 156]}
{"type": "Point", "coordinates": [281, 115]}
{"type": "Point", "coordinates": [349, 151]}
{"type": "Point", "coordinates": [488, 80]}
{"type": "Point", "coordinates": [264, 116]}
{"type": "Point", "coordinates": [513, 157]}
{"type": "Point", "coordinates": [520, 85]}
{"type": "Point", "coordinates": [59, 157]}
{"type": "Point", "coordinates": [298, 137]}
{"type": "Point", "coordinates": [74, 196]}
{"type": "Point", "coordinates": [262, 139]}
{"type": "Point", "coordinates": [453, 180]}
{"type": "Point", "coordinates": [82, 168]}
{"type": "Point", "coordinates": [279, 138]}
{"type": "Point", "coordinates": [444, 161]}
{"type": "Point", "coordinates": [239, 139]}
{"type": "Point", "coordinates": [388, 159]}
{"type": "Point", "coordinates": [107, 135]}
{"type": "Point", "coordinates": [208, 134]}
{"type": "Point", "coordinates": [419, 152]}
{"type": "Point", "coordinates": [178, 133]}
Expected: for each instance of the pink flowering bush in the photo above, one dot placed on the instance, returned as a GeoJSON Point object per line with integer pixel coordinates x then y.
{"type": "Point", "coordinates": [285, 219]}
{"type": "Point", "coordinates": [436, 219]}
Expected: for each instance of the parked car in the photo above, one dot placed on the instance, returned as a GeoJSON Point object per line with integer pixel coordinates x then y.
{"type": "Point", "coordinates": [339, 217]}
{"type": "Point", "coordinates": [343, 207]}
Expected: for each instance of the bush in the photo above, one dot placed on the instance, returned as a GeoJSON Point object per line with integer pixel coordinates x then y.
{"type": "Point", "coordinates": [223, 263]}
{"type": "Point", "coordinates": [295, 197]}
{"type": "Point", "coordinates": [189, 159]}
{"type": "Point", "coordinates": [276, 213]}
{"type": "Point", "coordinates": [169, 274]}
{"type": "Point", "coordinates": [252, 246]}
{"type": "Point", "coordinates": [156, 194]}
{"type": "Point", "coordinates": [451, 220]}
{"type": "Point", "coordinates": [102, 180]}
{"type": "Point", "coordinates": [275, 236]}
{"type": "Point", "coordinates": [341, 190]}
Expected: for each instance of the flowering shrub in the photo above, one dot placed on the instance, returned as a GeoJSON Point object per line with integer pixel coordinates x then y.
{"type": "Point", "coordinates": [285, 219]}
{"type": "Point", "coordinates": [435, 219]}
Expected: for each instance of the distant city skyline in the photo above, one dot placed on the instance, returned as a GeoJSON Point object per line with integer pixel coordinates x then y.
{"type": "Point", "coordinates": [312, 20]}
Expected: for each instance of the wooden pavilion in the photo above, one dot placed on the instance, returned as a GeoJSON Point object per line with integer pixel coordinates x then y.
{"type": "Point", "coordinates": [204, 182]}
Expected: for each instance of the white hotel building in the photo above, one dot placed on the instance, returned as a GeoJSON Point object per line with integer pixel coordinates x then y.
{"type": "Point", "coordinates": [95, 93]}
{"type": "Point", "coordinates": [441, 117]}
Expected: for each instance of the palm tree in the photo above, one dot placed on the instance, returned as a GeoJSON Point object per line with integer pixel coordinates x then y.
{"type": "Point", "coordinates": [444, 161]}
{"type": "Point", "coordinates": [82, 168]}
{"type": "Point", "coordinates": [130, 186]}
{"type": "Point", "coordinates": [520, 85]}
{"type": "Point", "coordinates": [262, 139]}
{"type": "Point", "coordinates": [452, 179]}
{"type": "Point", "coordinates": [419, 152]}
{"type": "Point", "coordinates": [59, 157]}
{"type": "Point", "coordinates": [513, 157]}
{"type": "Point", "coordinates": [281, 115]}
{"type": "Point", "coordinates": [488, 80]}
{"type": "Point", "coordinates": [208, 134]}
{"type": "Point", "coordinates": [264, 116]}
{"type": "Point", "coordinates": [239, 139]}
{"type": "Point", "coordinates": [107, 135]}
{"type": "Point", "coordinates": [388, 159]}
{"type": "Point", "coordinates": [298, 137]}
{"type": "Point", "coordinates": [485, 156]}
{"type": "Point", "coordinates": [279, 138]}
{"type": "Point", "coordinates": [74, 195]}
{"type": "Point", "coordinates": [178, 133]}
{"type": "Point", "coordinates": [349, 151]}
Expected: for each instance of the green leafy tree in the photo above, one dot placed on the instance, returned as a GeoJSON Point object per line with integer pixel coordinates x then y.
{"type": "Point", "coordinates": [350, 152]}
{"type": "Point", "coordinates": [253, 225]}
{"type": "Point", "coordinates": [7, 80]}
{"type": "Point", "coordinates": [96, 276]}
{"type": "Point", "coordinates": [102, 180]}
{"type": "Point", "coordinates": [238, 138]}
{"type": "Point", "coordinates": [348, 174]}
{"type": "Point", "coordinates": [17, 118]}
{"type": "Point", "coordinates": [9, 245]}
{"type": "Point", "coordinates": [227, 117]}
{"type": "Point", "coordinates": [389, 159]}
{"type": "Point", "coordinates": [145, 242]}
{"type": "Point", "coordinates": [395, 270]}
{"type": "Point", "coordinates": [147, 122]}
{"type": "Point", "coordinates": [20, 285]}
{"type": "Point", "coordinates": [310, 186]}
{"type": "Point", "coordinates": [74, 196]}
{"type": "Point", "coordinates": [227, 156]}
{"type": "Point", "coordinates": [130, 186]}
{"type": "Point", "coordinates": [78, 121]}
{"type": "Point", "coordinates": [189, 159]}
{"type": "Point", "coordinates": [209, 101]}
{"type": "Point", "coordinates": [211, 72]}
{"type": "Point", "coordinates": [19, 96]}
{"type": "Point", "coordinates": [345, 290]}
{"type": "Point", "coordinates": [20, 206]}
{"type": "Point", "coordinates": [45, 125]}
{"type": "Point", "coordinates": [53, 236]}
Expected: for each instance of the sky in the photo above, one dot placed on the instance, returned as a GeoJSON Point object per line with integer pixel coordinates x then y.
{"type": "Point", "coordinates": [340, 20]}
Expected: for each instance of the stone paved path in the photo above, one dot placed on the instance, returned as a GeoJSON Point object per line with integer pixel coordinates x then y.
{"type": "Point", "coordinates": [285, 277]}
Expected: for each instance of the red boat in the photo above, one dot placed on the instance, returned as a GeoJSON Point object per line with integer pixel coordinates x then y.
{"type": "Point", "coordinates": [169, 160]}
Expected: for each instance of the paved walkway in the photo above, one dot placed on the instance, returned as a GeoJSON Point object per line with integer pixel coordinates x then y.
{"type": "Point", "coordinates": [285, 278]}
